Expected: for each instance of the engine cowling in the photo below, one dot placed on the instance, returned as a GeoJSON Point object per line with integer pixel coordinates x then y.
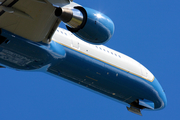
{"type": "Point", "coordinates": [88, 24]}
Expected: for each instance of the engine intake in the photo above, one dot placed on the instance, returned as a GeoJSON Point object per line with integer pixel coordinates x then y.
{"type": "Point", "coordinates": [86, 23]}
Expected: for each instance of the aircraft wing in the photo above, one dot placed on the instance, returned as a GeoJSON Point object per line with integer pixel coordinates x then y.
{"type": "Point", "coordinates": [31, 19]}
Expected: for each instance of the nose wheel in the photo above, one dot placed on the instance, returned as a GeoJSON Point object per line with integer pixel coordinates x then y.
{"type": "Point", "coordinates": [139, 104]}
{"type": "Point", "coordinates": [135, 107]}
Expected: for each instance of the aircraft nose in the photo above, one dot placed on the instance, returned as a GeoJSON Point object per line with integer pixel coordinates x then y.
{"type": "Point", "coordinates": [162, 102]}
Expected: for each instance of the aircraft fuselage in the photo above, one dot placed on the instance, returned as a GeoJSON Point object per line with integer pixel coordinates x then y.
{"type": "Point", "coordinates": [95, 67]}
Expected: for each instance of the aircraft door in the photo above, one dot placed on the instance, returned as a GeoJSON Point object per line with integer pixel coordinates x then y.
{"type": "Point", "coordinates": [143, 71]}
{"type": "Point", "coordinates": [74, 42]}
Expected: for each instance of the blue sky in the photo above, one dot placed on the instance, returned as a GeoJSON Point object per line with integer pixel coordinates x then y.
{"type": "Point", "coordinates": [147, 31]}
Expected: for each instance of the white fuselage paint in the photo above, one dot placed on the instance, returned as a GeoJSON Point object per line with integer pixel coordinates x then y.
{"type": "Point", "coordinates": [102, 53]}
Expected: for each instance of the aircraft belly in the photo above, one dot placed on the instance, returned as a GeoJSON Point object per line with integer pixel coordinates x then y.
{"type": "Point", "coordinates": [100, 77]}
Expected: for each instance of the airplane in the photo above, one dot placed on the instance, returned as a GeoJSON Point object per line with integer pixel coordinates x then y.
{"type": "Point", "coordinates": [31, 40]}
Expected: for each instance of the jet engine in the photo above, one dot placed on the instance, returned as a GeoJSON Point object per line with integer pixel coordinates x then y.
{"type": "Point", "coordinates": [88, 24]}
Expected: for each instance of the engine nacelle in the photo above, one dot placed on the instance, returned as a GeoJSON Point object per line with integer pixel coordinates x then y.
{"type": "Point", "coordinates": [86, 23]}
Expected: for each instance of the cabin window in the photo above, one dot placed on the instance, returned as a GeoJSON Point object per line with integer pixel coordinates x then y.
{"type": "Point", "coordinates": [119, 56]}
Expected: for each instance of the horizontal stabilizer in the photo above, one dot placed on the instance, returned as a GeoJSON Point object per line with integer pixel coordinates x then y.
{"type": "Point", "coordinates": [146, 103]}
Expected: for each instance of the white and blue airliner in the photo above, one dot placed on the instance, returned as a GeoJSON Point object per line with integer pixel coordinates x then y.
{"type": "Point", "coordinates": [31, 39]}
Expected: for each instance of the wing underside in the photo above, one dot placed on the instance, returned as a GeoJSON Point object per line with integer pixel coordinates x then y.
{"type": "Point", "coordinates": [31, 19]}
